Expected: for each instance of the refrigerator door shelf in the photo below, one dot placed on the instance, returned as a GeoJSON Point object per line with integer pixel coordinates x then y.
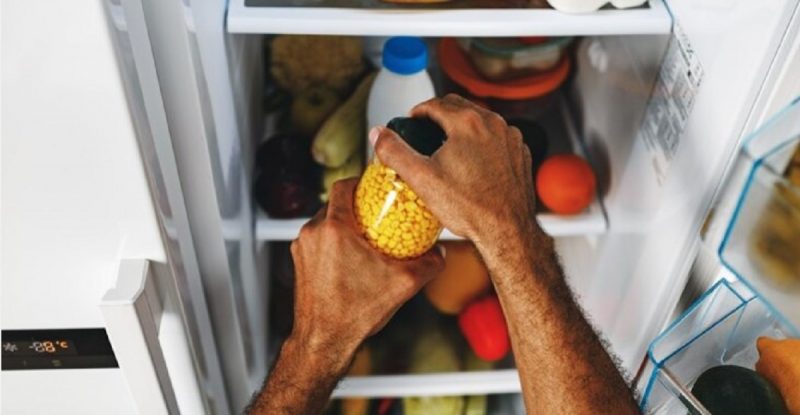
{"type": "Point", "coordinates": [720, 328]}
{"type": "Point", "coordinates": [591, 221]}
{"type": "Point", "coordinates": [344, 17]}
{"type": "Point", "coordinates": [762, 240]}
{"type": "Point", "coordinates": [723, 325]}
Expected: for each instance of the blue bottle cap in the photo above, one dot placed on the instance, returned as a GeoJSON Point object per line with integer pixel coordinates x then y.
{"type": "Point", "coordinates": [405, 55]}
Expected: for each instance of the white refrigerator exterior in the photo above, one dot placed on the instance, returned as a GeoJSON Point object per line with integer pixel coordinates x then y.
{"type": "Point", "coordinates": [75, 198]}
{"type": "Point", "coordinates": [76, 204]}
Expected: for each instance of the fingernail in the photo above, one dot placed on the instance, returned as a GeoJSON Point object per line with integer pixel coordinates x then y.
{"type": "Point", "coordinates": [374, 133]}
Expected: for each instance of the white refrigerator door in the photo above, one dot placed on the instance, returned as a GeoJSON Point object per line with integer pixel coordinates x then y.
{"type": "Point", "coordinates": [147, 333]}
{"type": "Point", "coordinates": [181, 98]}
{"type": "Point", "coordinates": [75, 196]}
{"type": "Point", "coordinates": [173, 192]}
{"type": "Point", "coordinates": [720, 61]}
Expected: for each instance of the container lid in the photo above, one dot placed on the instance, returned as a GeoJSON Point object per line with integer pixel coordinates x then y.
{"type": "Point", "coordinates": [421, 133]}
{"type": "Point", "coordinates": [457, 67]}
{"type": "Point", "coordinates": [513, 46]}
{"type": "Point", "coordinates": [405, 55]}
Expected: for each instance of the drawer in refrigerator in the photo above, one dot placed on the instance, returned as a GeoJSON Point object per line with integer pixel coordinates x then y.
{"type": "Point", "coordinates": [721, 328]}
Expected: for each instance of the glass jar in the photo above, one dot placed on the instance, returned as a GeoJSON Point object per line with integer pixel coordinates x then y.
{"type": "Point", "coordinates": [523, 97]}
{"type": "Point", "coordinates": [392, 217]}
{"type": "Point", "coordinates": [501, 59]}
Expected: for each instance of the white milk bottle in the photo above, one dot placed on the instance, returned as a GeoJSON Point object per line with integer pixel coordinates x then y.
{"type": "Point", "coordinates": [402, 82]}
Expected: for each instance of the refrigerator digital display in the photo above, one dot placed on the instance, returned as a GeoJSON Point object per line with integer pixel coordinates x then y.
{"type": "Point", "coordinates": [53, 347]}
{"type": "Point", "coordinates": [56, 349]}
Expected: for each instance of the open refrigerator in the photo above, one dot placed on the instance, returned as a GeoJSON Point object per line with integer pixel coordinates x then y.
{"type": "Point", "coordinates": [659, 100]}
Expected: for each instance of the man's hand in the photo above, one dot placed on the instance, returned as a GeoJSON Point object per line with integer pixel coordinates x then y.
{"type": "Point", "coordinates": [345, 291]}
{"type": "Point", "coordinates": [479, 183]}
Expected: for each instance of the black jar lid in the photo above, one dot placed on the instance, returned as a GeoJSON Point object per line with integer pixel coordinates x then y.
{"type": "Point", "coordinates": [422, 134]}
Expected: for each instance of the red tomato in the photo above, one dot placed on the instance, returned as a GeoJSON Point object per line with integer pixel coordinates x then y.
{"type": "Point", "coordinates": [565, 184]}
{"type": "Point", "coordinates": [484, 326]}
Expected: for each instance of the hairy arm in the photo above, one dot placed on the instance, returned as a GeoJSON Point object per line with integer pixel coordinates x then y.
{"type": "Point", "coordinates": [563, 365]}
{"type": "Point", "coordinates": [301, 381]}
{"type": "Point", "coordinates": [480, 185]}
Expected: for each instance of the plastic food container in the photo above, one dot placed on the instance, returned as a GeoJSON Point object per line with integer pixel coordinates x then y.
{"type": "Point", "coordinates": [499, 59]}
{"type": "Point", "coordinates": [392, 218]}
{"type": "Point", "coordinates": [720, 328]}
{"type": "Point", "coordinates": [525, 97]}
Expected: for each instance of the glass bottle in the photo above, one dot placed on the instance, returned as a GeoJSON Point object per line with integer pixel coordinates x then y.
{"type": "Point", "coordinates": [392, 217]}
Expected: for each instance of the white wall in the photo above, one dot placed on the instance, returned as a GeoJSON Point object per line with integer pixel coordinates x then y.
{"type": "Point", "coordinates": [74, 194]}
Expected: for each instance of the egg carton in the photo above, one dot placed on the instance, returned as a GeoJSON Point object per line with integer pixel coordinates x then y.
{"type": "Point", "coordinates": [588, 6]}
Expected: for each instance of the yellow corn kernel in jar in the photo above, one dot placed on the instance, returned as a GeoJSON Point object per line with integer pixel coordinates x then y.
{"type": "Point", "coordinates": [393, 219]}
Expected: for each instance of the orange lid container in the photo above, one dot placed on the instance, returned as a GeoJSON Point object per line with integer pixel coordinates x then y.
{"type": "Point", "coordinates": [458, 68]}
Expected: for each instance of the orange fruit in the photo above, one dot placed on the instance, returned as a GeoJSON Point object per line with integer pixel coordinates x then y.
{"type": "Point", "coordinates": [566, 184]}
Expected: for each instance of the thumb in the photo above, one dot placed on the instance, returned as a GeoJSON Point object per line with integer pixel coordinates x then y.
{"type": "Point", "coordinates": [396, 154]}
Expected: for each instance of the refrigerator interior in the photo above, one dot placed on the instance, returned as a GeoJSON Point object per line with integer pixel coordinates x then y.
{"type": "Point", "coordinates": [576, 113]}
{"type": "Point", "coordinates": [626, 258]}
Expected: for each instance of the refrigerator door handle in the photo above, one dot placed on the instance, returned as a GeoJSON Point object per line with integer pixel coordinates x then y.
{"type": "Point", "coordinates": [142, 325]}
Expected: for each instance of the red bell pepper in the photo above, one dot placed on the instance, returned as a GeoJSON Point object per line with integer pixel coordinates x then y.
{"type": "Point", "coordinates": [484, 326]}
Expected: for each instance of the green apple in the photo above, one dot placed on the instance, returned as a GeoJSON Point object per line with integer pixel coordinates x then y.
{"type": "Point", "coordinates": [311, 107]}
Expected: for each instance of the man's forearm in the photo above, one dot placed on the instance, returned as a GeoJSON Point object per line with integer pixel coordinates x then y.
{"type": "Point", "coordinates": [563, 366]}
{"type": "Point", "coordinates": [301, 381]}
